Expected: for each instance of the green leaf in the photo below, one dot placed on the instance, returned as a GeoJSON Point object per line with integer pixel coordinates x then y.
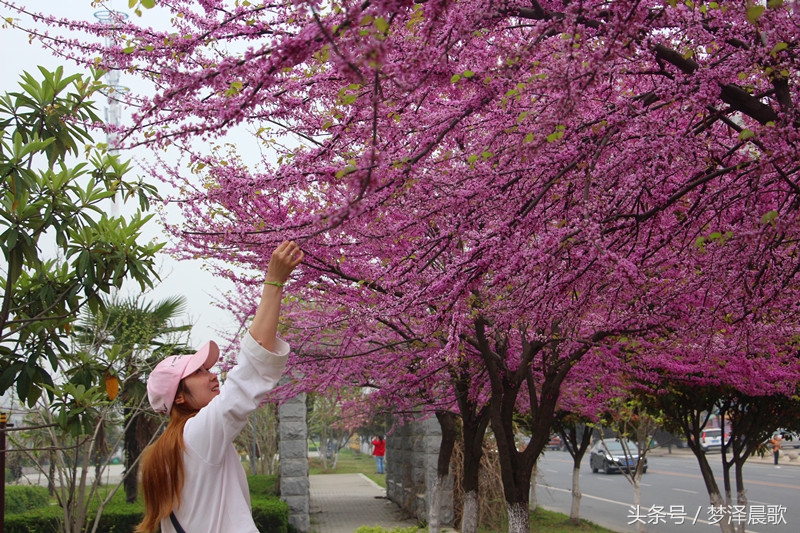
{"type": "Point", "coordinates": [746, 134]}
{"type": "Point", "coordinates": [754, 13]}
{"type": "Point", "coordinates": [700, 242]}
{"type": "Point", "coordinates": [148, 4]}
{"type": "Point", "coordinates": [9, 375]}
{"type": "Point", "coordinates": [345, 171]}
{"type": "Point", "coordinates": [778, 48]}
{"type": "Point", "coordinates": [234, 88]}
{"type": "Point", "coordinates": [455, 78]}
{"type": "Point", "coordinates": [22, 150]}
{"type": "Point", "coordinates": [769, 217]}
{"type": "Point", "coordinates": [381, 24]}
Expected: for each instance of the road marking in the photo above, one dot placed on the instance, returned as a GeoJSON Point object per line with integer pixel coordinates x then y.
{"type": "Point", "coordinates": [628, 505]}
{"type": "Point", "coordinates": [747, 482]}
{"type": "Point", "coordinates": [686, 490]}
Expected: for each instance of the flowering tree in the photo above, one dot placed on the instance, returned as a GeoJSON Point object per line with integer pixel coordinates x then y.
{"type": "Point", "coordinates": [686, 402]}
{"type": "Point", "coordinates": [521, 182]}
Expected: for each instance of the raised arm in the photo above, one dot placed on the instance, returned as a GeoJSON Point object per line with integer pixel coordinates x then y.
{"type": "Point", "coordinates": [264, 328]}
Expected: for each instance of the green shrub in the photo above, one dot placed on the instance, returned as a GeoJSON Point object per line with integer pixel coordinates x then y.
{"type": "Point", "coordinates": [263, 486]}
{"type": "Point", "coordinates": [43, 520]}
{"type": "Point", "coordinates": [271, 515]}
{"type": "Point", "coordinates": [119, 516]}
{"type": "Point", "coordinates": [22, 498]}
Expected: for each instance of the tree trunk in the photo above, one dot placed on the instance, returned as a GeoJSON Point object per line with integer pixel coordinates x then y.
{"type": "Point", "coordinates": [447, 422]}
{"type": "Point", "coordinates": [718, 502]}
{"type": "Point", "coordinates": [469, 520]}
{"type": "Point", "coordinates": [469, 486]}
{"type": "Point", "coordinates": [742, 500]}
{"type": "Point", "coordinates": [473, 426]}
{"type": "Point", "coordinates": [637, 500]}
{"type": "Point", "coordinates": [324, 445]}
{"type": "Point", "coordinates": [741, 495]}
{"type": "Point", "coordinates": [519, 520]}
{"type": "Point", "coordinates": [133, 450]}
{"type": "Point", "coordinates": [714, 494]}
{"type": "Point", "coordinates": [51, 484]}
{"type": "Point", "coordinates": [575, 509]}
{"type": "Point", "coordinates": [435, 510]}
{"type": "Point", "coordinates": [140, 431]}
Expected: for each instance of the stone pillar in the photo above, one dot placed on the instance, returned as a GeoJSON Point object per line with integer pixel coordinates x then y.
{"type": "Point", "coordinates": [412, 455]}
{"type": "Point", "coordinates": [293, 454]}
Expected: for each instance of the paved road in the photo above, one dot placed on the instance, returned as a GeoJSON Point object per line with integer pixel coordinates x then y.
{"type": "Point", "coordinates": [673, 483]}
{"type": "Point", "coordinates": [112, 474]}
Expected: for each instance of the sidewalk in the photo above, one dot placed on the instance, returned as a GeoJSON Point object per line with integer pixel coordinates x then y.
{"type": "Point", "coordinates": [341, 503]}
{"type": "Point", "coordinates": [789, 456]}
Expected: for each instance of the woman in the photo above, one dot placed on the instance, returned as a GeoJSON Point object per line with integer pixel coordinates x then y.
{"type": "Point", "coordinates": [192, 477]}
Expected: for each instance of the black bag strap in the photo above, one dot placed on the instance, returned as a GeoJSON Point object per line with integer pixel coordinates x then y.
{"type": "Point", "coordinates": [175, 523]}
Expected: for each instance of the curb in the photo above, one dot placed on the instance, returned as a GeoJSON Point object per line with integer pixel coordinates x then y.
{"type": "Point", "coordinates": [787, 458]}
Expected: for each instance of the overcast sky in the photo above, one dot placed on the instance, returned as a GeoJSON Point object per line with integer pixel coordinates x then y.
{"type": "Point", "coordinates": [187, 278]}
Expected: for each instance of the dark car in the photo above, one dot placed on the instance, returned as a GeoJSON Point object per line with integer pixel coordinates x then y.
{"type": "Point", "coordinates": [609, 456]}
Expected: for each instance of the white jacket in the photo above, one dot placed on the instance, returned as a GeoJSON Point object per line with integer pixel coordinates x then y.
{"type": "Point", "coordinates": [215, 496]}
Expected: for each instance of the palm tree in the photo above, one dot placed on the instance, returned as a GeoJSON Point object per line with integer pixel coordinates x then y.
{"type": "Point", "coordinates": [136, 334]}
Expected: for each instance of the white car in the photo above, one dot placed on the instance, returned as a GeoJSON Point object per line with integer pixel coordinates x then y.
{"type": "Point", "coordinates": [711, 439]}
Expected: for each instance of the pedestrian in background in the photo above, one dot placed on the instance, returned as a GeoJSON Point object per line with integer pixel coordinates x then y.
{"type": "Point", "coordinates": [379, 451]}
{"type": "Point", "coordinates": [776, 442]}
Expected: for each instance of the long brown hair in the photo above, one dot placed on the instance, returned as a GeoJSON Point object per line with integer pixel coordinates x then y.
{"type": "Point", "coordinates": [162, 469]}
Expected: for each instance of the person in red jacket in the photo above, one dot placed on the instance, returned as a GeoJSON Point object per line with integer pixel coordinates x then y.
{"type": "Point", "coordinates": [379, 450]}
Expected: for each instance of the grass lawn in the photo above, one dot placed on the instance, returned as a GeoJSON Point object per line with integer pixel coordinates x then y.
{"type": "Point", "coordinates": [552, 522]}
{"type": "Point", "coordinates": [349, 462]}
{"type": "Point", "coordinates": [542, 521]}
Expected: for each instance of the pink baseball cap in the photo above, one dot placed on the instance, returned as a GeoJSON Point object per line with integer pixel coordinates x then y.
{"type": "Point", "coordinates": [162, 385]}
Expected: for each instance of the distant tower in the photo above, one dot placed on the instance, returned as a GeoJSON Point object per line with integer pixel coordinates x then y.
{"type": "Point", "coordinates": [114, 90]}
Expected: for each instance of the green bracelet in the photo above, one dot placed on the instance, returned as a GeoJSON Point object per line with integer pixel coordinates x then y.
{"type": "Point", "coordinates": [276, 283]}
